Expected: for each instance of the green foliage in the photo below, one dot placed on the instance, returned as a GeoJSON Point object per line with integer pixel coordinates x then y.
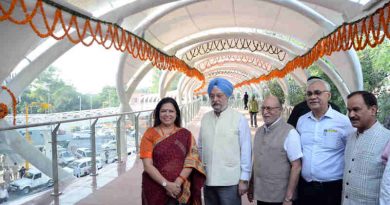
{"type": "Point", "coordinates": [108, 97]}
{"type": "Point", "coordinates": [384, 105]}
{"type": "Point", "coordinates": [275, 89]}
{"type": "Point", "coordinates": [155, 81]}
{"type": "Point", "coordinates": [375, 65]}
{"type": "Point", "coordinates": [376, 71]}
{"type": "Point", "coordinates": [296, 93]}
{"type": "Point", "coordinates": [175, 81]}
{"type": "Point", "coordinates": [49, 88]}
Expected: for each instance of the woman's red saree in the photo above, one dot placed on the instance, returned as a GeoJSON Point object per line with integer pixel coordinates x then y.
{"type": "Point", "coordinates": [170, 156]}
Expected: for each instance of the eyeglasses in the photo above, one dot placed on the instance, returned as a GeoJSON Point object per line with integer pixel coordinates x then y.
{"type": "Point", "coordinates": [268, 108]}
{"type": "Point", "coordinates": [316, 92]}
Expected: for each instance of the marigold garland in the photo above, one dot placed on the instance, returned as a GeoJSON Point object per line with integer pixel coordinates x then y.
{"type": "Point", "coordinates": [356, 34]}
{"type": "Point", "coordinates": [114, 35]}
{"type": "Point", "coordinates": [4, 108]}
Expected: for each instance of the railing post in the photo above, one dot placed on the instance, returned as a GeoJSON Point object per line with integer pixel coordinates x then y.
{"type": "Point", "coordinates": [151, 119]}
{"type": "Point", "coordinates": [136, 132]}
{"type": "Point", "coordinates": [93, 147]}
{"type": "Point", "coordinates": [54, 164]}
{"type": "Point", "coordinates": [118, 139]}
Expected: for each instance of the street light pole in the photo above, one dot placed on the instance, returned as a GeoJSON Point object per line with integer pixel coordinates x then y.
{"type": "Point", "coordinates": [109, 99]}
{"type": "Point", "coordinates": [90, 101]}
{"type": "Point", "coordinates": [80, 103]}
{"type": "Point", "coordinates": [48, 102]}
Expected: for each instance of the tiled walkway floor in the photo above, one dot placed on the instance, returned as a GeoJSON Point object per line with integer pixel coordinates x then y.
{"type": "Point", "coordinates": [116, 184]}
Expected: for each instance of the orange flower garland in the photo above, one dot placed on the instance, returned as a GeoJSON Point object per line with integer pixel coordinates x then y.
{"type": "Point", "coordinates": [103, 33]}
{"type": "Point", "coordinates": [357, 34]}
{"type": "Point", "coordinates": [4, 108]}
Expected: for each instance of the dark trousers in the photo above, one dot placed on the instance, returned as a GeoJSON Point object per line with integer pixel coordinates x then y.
{"type": "Point", "coordinates": [320, 193]}
{"type": "Point", "coordinates": [245, 105]}
{"type": "Point", "coordinates": [221, 195]}
{"type": "Point", "coordinates": [253, 116]}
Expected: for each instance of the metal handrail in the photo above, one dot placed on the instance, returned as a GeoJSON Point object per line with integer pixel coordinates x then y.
{"type": "Point", "coordinates": [68, 121]}
{"type": "Point", "coordinates": [188, 115]}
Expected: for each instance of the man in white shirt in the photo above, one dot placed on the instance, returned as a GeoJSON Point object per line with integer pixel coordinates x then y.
{"type": "Point", "coordinates": [277, 158]}
{"type": "Point", "coordinates": [324, 132]}
{"type": "Point", "coordinates": [225, 148]}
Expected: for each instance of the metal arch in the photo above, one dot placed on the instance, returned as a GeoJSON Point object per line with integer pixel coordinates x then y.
{"type": "Point", "coordinates": [371, 6]}
{"type": "Point", "coordinates": [185, 43]}
{"type": "Point", "coordinates": [147, 66]}
{"type": "Point", "coordinates": [218, 60]}
{"type": "Point", "coordinates": [31, 71]}
{"type": "Point", "coordinates": [311, 14]}
{"type": "Point", "coordinates": [329, 26]}
{"type": "Point", "coordinates": [248, 53]}
{"type": "Point", "coordinates": [138, 29]}
{"type": "Point", "coordinates": [274, 62]}
{"type": "Point", "coordinates": [242, 44]}
{"type": "Point", "coordinates": [215, 73]}
{"type": "Point", "coordinates": [156, 15]}
{"type": "Point", "coordinates": [238, 66]}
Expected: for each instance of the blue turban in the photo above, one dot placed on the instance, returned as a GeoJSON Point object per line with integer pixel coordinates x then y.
{"type": "Point", "coordinates": [224, 85]}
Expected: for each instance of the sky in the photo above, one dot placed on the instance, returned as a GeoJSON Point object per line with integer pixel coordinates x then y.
{"type": "Point", "coordinates": [89, 69]}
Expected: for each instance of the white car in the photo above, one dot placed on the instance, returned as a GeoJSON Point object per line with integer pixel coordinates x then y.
{"type": "Point", "coordinates": [83, 167]}
{"type": "Point", "coordinates": [33, 178]}
{"type": "Point", "coordinates": [109, 145]}
{"type": "Point", "coordinates": [83, 152]}
{"type": "Point", "coordinates": [65, 157]}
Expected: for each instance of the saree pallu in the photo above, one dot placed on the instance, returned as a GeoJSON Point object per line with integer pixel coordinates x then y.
{"type": "Point", "coordinates": [170, 156]}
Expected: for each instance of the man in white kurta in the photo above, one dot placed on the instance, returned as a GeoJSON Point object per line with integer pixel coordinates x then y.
{"type": "Point", "coordinates": [364, 168]}
{"type": "Point", "coordinates": [225, 148]}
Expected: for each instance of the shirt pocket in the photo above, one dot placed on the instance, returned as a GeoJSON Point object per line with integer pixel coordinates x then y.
{"type": "Point", "coordinates": [332, 139]}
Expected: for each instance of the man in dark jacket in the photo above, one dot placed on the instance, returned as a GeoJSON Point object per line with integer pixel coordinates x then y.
{"type": "Point", "coordinates": [246, 98]}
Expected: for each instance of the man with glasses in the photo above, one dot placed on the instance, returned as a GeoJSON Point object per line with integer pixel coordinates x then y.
{"type": "Point", "coordinates": [277, 158]}
{"type": "Point", "coordinates": [225, 148]}
{"type": "Point", "coordinates": [323, 136]}
{"type": "Point", "coordinates": [302, 108]}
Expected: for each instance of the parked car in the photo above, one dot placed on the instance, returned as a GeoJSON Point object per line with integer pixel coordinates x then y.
{"type": "Point", "coordinates": [82, 167]}
{"type": "Point", "coordinates": [82, 134]}
{"type": "Point", "coordinates": [64, 157]}
{"type": "Point", "coordinates": [32, 179]}
{"type": "Point", "coordinates": [83, 152]}
{"type": "Point", "coordinates": [109, 145]}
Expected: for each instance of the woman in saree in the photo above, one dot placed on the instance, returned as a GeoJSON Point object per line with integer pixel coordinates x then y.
{"type": "Point", "coordinates": [173, 173]}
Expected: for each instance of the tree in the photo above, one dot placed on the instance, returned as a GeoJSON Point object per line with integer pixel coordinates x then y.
{"type": "Point", "coordinates": [276, 90]}
{"type": "Point", "coordinates": [376, 73]}
{"type": "Point", "coordinates": [108, 97]}
{"type": "Point", "coordinates": [155, 81]}
{"type": "Point", "coordinates": [296, 93]}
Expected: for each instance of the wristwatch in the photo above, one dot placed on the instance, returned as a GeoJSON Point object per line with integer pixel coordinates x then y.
{"type": "Point", "coordinates": [288, 199]}
{"type": "Point", "coordinates": [164, 184]}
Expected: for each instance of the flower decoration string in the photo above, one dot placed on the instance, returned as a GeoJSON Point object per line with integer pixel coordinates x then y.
{"type": "Point", "coordinates": [4, 107]}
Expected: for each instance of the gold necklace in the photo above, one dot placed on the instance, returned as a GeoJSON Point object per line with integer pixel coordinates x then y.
{"type": "Point", "coordinates": [162, 132]}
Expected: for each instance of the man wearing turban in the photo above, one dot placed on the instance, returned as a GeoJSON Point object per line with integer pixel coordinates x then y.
{"type": "Point", "coordinates": [225, 148]}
